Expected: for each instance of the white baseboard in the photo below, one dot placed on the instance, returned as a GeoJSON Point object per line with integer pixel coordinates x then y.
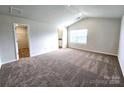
{"type": "Point", "coordinates": [0, 65]}
{"type": "Point", "coordinates": [30, 56]}
{"type": "Point", "coordinates": [95, 51]}
{"type": "Point", "coordinates": [43, 53]}
{"type": "Point", "coordinates": [122, 70]}
{"type": "Point", "coordinates": [7, 62]}
{"type": "Point", "coordinates": [37, 54]}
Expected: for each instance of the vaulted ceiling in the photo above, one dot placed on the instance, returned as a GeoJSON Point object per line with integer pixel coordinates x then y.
{"type": "Point", "coordinates": [63, 14]}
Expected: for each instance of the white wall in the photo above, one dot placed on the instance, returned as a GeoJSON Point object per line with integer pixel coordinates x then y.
{"type": "Point", "coordinates": [103, 35]}
{"type": "Point", "coordinates": [121, 47]}
{"type": "Point", "coordinates": [41, 37]}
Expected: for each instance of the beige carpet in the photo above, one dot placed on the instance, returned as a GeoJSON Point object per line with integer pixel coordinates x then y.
{"type": "Point", "coordinates": [63, 68]}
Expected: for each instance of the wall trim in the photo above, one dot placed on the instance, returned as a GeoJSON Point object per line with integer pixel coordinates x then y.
{"type": "Point", "coordinates": [36, 54]}
{"type": "Point", "coordinates": [7, 62]}
{"type": "Point", "coordinates": [120, 66]}
{"type": "Point", "coordinates": [43, 53]}
{"type": "Point", "coordinates": [95, 51]}
{"type": "Point", "coordinates": [0, 65]}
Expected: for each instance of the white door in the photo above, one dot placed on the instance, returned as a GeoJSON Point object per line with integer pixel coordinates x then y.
{"type": "Point", "coordinates": [16, 42]}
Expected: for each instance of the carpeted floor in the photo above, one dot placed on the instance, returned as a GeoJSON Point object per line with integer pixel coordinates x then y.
{"type": "Point", "coordinates": [63, 68]}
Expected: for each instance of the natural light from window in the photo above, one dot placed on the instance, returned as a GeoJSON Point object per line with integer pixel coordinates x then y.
{"type": "Point", "coordinates": [79, 36]}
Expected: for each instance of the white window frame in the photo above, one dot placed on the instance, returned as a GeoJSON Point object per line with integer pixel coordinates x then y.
{"type": "Point", "coordinates": [78, 41]}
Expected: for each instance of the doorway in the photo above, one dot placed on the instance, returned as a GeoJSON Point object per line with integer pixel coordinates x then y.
{"type": "Point", "coordinates": [62, 37]}
{"type": "Point", "coordinates": [22, 40]}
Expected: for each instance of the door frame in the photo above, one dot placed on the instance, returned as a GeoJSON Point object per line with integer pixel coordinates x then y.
{"type": "Point", "coordinates": [15, 39]}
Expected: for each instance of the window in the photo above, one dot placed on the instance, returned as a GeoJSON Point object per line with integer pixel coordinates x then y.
{"type": "Point", "coordinates": [79, 36]}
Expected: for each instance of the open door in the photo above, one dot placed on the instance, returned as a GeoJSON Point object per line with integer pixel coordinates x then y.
{"type": "Point", "coordinates": [22, 40]}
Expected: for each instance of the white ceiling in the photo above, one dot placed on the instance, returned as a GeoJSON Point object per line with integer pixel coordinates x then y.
{"type": "Point", "coordinates": [60, 14]}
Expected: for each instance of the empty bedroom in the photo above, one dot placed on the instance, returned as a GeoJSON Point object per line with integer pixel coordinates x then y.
{"type": "Point", "coordinates": [61, 46]}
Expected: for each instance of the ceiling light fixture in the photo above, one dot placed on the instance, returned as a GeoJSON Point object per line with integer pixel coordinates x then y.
{"type": "Point", "coordinates": [15, 11]}
{"type": "Point", "coordinates": [80, 14]}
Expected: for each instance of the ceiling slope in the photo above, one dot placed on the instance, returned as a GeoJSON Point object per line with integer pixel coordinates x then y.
{"type": "Point", "coordinates": [63, 14]}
